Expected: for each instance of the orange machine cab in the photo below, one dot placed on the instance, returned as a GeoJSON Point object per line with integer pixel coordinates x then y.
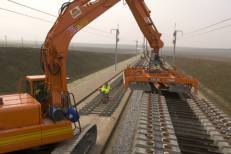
{"type": "Point", "coordinates": [22, 123]}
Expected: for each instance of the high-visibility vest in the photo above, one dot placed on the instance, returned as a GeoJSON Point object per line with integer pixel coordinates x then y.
{"type": "Point", "coordinates": [105, 89]}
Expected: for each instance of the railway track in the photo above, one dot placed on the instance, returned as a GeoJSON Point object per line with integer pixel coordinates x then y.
{"type": "Point", "coordinates": [161, 123]}
{"type": "Point", "coordinates": [191, 135]}
{"type": "Point", "coordinates": [168, 122]}
{"type": "Point", "coordinates": [155, 133]}
{"type": "Point", "coordinates": [140, 63]}
{"type": "Point", "coordinates": [97, 106]}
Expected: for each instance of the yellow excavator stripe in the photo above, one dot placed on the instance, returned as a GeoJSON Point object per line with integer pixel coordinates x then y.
{"type": "Point", "coordinates": [55, 132]}
{"type": "Point", "coordinates": [19, 138]}
{"type": "Point", "coordinates": [33, 136]}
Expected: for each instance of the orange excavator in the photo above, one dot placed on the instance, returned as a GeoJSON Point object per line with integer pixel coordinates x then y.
{"type": "Point", "coordinates": [47, 113]}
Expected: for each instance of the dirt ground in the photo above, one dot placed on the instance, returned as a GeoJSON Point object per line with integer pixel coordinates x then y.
{"type": "Point", "coordinates": [214, 75]}
{"type": "Point", "coordinates": [18, 62]}
{"type": "Point", "coordinates": [200, 53]}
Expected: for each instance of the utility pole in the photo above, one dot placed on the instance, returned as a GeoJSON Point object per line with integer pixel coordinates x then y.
{"type": "Point", "coordinates": [143, 46]}
{"type": "Point", "coordinates": [35, 44]}
{"type": "Point", "coordinates": [116, 45]}
{"type": "Point", "coordinates": [174, 44]}
{"type": "Point", "coordinates": [5, 41]}
{"type": "Point", "coordinates": [137, 44]}
{"type": "Point", "coordinates": [22, 42]}
{"type": "Point", "coordinates": [146, 47]}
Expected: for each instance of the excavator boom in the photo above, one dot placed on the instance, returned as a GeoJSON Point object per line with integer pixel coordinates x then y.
{"type": "Point", "coordinates": [45, 116]}
{"type": "Point", "coordinates": [73, 17]}
{"type": "Point", "coordinates": [142, 13]}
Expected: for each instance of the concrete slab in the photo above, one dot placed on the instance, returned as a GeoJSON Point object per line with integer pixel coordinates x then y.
{"type": "Point", "coordinates": [105, 125]}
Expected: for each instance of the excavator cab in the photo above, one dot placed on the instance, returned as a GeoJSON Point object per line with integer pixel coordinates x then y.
{"type": "Point", "coordinates": [35, 86]}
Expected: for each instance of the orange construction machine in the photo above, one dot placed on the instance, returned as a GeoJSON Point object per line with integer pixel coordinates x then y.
{"type": "Point", "coordinates": [47, 113]}
{"type": "Point", "coordinates": [154, 75]}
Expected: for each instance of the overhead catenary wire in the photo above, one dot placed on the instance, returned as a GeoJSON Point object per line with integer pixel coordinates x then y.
{"type": "Point", "coordinates": [215, 29]}
{"type": "Point", "coordinates": [43, 20]}
{"type": "Point", "coordinates": [26, 6]}
{"type": "Point", "coordinates": [209, 26]}
{"type": "Point", "coordinates": [52, 15]}
{"type": "Point", "coordinates": [25, 15]}
{"type": "Point", "coordinates": [201, 31]}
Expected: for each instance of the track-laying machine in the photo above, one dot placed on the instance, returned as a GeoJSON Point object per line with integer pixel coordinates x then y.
{"type": "Point", "coordinates": [155, 74]}
{"type": "Point", "coordinates": [47, 113]}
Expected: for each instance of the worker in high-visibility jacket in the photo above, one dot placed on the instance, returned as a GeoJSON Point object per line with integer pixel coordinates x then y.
{"type": "Point", "coordinates": [105, 90]}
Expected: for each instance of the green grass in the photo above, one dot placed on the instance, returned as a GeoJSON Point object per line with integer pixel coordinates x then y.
{"type": "Point", "coordinates": [19, 62]}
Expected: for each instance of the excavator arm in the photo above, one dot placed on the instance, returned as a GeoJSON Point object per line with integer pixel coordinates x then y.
{"type": "Point", "coordinates": [72, 18]}
{"type": "Point", "coordinates": [141, 13]}
{"type": "Point", "coordinates": [46, 115]}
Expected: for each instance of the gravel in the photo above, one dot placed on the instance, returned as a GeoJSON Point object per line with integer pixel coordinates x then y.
{"type": "Point", "coordinates": [122, 139]}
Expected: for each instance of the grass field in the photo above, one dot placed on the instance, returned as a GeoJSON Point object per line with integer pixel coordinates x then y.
{"type": "Point", "coordinates": [213, 74]}
{"type": "Point", "coordinates": [18, 62]}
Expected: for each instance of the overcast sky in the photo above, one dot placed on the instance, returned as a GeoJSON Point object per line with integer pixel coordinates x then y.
{"type": "Point", "coordinates": [187, 14]}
